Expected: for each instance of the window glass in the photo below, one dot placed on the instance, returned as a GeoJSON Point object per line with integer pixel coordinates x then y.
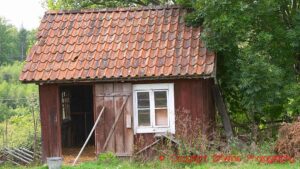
{"type": "Point", "coordinates": [160, 99]}
{"type": "Point", "coordinates": [161, 117]}
{"type": "Point", "coordinates": [143, 100]}
{"type": "Point", "coordinates": [144, 117]}
{"type": "Point", "coordinates": [161, 111]}
{"type": "Point", "coordinates": [143, 106]}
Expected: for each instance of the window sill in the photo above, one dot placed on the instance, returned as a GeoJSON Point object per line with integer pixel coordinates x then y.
{"type": "Point", "coordinates": [154, 130]}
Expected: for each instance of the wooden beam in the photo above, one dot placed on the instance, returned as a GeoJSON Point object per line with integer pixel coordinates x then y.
{"type": "Point", "coordinates": [148, 146]}
{"type": "Point", "coordinates": [223, 112]}
{"type": "Point", "coordinates": [87, 140]}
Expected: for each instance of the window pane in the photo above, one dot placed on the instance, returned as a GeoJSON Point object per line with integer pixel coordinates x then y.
{"type": "Point", "coordinates": [144, 117]}
{"type": "Point", "coordinates": [143, 100]}
{"type": "Point", "coordinates": [161, 117]}
{"type": "Point", "coordinates": [160, 99]}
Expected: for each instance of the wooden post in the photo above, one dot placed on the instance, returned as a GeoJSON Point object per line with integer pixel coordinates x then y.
{"type": "Point", "coordinates": [223, 112]}
{"type": "Point", "coordinates": [34, 126]}
{"type": "Point", "coordinates": [6, 132]}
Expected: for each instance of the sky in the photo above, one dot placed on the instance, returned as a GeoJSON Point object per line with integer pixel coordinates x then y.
{"type": "Point", "coordinates": [22, 12]}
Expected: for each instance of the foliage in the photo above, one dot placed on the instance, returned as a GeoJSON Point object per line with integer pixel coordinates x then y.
{"type": "Point", "coordinates": [257, 43]}
{"type": "Point", "coordinates": [8, 41]}
{"type": "Point", "coordinates": [14, 95]}
{"type": "Point", "coordinates": [108, 158]}
{"type": "Point", "coordinates": [83, 4]}
{"type": "Point", "coordinates": [20, 131]}
{"type": "Point", "coordinates": [17, 101]}
{"type": "Point", "coordinates": [14, 43]}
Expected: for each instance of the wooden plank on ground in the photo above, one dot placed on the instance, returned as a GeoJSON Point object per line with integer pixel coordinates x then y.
{"type": "Point", "coordinates": [148, 146]}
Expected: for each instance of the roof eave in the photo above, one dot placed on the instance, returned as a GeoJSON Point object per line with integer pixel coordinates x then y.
{"type": "Point", "coordinates": [121, 79]}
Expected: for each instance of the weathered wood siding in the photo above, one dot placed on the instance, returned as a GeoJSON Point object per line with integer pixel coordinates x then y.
{"type": "Point", "coordinates": [112, 96]}
{"type": "Point", "coordinates": [193, 101]}
{"type": "Point", "coordinates": [50, 121]}
{"type": "Point", "coordinates": [194, 106]}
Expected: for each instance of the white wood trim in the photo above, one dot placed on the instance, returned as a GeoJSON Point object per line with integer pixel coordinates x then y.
{"type": "Point", "coordinates": [169, 87]}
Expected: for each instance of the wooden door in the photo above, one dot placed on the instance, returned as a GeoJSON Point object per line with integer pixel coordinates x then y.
{"type": "Point", "coordinates": [50, 121]}
{"type": "Point", "coordinates": [116, 98]}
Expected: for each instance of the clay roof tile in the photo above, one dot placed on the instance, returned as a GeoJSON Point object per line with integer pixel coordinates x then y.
{"type": "Point", "coordinates": [142, 42]}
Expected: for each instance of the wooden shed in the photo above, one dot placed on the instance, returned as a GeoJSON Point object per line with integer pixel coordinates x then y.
{"type": "Point", "coordinates": [143, 65]}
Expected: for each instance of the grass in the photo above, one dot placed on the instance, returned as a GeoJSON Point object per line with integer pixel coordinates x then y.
{"type": "Point", "coordinates": [126, 164]}
{"type": "Point", "coordinates": [110, 161]}
{"type": "Point", "coordinates": [166, 165]}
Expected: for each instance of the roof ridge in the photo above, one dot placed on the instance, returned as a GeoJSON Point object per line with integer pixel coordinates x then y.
{"type": "Point", "coordinates": [118, 9]}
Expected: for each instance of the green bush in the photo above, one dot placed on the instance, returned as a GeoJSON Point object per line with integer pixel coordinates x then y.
{"type": "Point", "coordinates": [108, 157]}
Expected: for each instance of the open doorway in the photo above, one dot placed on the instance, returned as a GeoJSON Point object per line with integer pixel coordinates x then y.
{"type": "Point", "coordinates": [77, 120]}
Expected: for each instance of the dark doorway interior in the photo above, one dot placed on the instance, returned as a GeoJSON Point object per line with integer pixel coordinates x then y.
{"type": "Point", "coordinates": [77, 115]}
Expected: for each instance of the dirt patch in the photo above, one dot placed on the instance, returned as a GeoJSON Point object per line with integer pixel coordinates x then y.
{"type": "Point", "coordinates": [69, 155]}
{"type": "Point", "coordinates": [289, 140]}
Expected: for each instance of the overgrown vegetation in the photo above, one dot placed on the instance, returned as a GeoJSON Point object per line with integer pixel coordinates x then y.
{"type": "Point", "coordinates": [88, 4]}
{"type": "Point", "coordinates": [257, 43]}
{"type": "Point", "coordinates": [18, 102]}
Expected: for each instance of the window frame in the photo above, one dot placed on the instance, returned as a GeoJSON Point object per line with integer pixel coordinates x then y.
{"type": "Point", "coordinates": [151, 88]}
{"type": "Point", "coordinates": [65, 105]}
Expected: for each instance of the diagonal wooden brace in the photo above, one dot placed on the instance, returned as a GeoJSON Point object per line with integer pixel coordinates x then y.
{"type": "Point", "coordinates": [114, 125]}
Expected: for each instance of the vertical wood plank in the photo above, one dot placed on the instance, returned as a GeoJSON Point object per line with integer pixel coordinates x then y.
{"type": "Point", "coordinates": [119, 131]}
{"type": "Point", "coordinates": [201, 98]}
{"type": "Point", "coordinates": [109, 115]}
{"type": "Point", "coordinates": [100, 128]}
{"type": "Point", "coordinates": [128, 111]}
{"type": "Point", "coordinates": [50, 120]}
{"type": "Point", "coordinates": [195, 96]}
{"type": "Point", "coordinates": [44, 124]}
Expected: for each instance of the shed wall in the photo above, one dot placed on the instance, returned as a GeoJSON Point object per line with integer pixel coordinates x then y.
{"type": "Point", "coordinates": [195, 109]}
{"type": "Point", "coordinates": [193, 103]}
{"type": "Point", "coordinates": [50, 121]}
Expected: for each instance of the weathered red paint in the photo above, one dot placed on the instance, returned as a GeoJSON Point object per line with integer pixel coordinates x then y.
{"type": "Point", "coordinates": [192, 95]}
{"type": "Point", "coordinates": [50, 121]}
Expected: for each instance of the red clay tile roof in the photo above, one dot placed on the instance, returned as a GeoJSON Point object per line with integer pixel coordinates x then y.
{"type": "Point", "coordinates": [117, 43]}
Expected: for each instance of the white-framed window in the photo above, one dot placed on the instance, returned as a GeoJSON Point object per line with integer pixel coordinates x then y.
{"type": "Point", "coordinates": [153, 106]}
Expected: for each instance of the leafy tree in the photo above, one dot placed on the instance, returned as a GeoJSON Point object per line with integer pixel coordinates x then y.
{"type": "Point", "coordinates": [8, 42]}
{"type": "Point", "coordinates": [30, 39]}
{"type": "Point", "coordinates": [257, 43]}
{"type": "Point", "coordinates": [22, 36]}
{"type": "Point", "coordinates": [13, 94]}
{"type": "Point", "coordinates": [14, 44]}
{"type": "Point", "coordinates": [82, 4]}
